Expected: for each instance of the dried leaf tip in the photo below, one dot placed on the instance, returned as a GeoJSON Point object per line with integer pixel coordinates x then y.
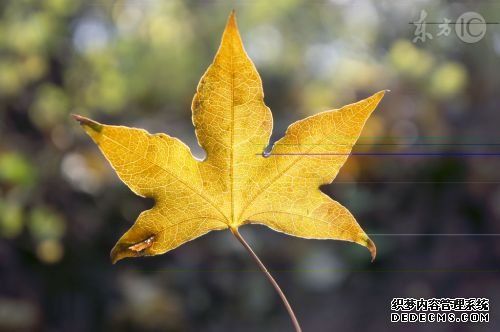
{"type": "Point", "coordinates": [372, 248]}
{"type": "Point", "coordinates": [86, 122]}
{"type": "Point", "coordinates": [79, 118]}
{"type": "Point", "coordinates": [231, 21]}
{"type": "Point", "coordinates": [115, 256]}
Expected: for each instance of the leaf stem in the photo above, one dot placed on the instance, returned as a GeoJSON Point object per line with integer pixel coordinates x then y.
{"type": "Point", "coordinates": [269, 277]}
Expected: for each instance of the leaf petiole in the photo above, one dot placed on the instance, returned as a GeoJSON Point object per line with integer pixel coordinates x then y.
{"type": "Point", "coordinates": [268, 275]}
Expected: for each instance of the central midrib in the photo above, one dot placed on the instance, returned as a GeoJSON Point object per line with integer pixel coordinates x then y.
{"type": "Point", "coordinates": [231, 172]}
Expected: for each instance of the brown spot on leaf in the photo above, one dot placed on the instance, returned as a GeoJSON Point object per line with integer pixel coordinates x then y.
{"type": "Point", "coordinates": [141, 246]}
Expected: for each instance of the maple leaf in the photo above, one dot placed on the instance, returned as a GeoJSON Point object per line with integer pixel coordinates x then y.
{"type": "Point", "coordinates": [236, 184]}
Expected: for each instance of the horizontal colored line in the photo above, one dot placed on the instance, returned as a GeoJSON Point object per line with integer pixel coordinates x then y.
{"type": "Point", "coordinates": [415, 182]}
{"type": "Point", "coordinates": [444, 270]}
{"type": "Point", "coordinates": [407, 154]}
{"type": "Point", "coordinates": [389, 144]}
{"type": "Point", "coordinates": [435, 234]}
{"type": "Point", "coordinates": [466, 23]}
{"type": "Point", "coordinates": [448, 137]}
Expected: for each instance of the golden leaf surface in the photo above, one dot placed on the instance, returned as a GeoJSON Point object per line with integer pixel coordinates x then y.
{"type": "Point", "coordinates": [236, 184]}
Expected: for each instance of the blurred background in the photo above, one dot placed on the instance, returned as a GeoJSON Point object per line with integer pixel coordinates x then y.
{"type": "Point", "coordinates": [428, 194]}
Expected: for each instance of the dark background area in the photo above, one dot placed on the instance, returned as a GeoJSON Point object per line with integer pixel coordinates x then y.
{"type": "Point", "coordinates": [435, 218]}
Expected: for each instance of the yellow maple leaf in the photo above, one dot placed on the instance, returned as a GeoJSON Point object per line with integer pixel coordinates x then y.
{"type": "Point", "coordinates": [237, 183]}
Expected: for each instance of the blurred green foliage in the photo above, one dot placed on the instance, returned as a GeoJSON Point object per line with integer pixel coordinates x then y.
{"type": "Point", "coordinates": [11, 219]}
{"type": "Point", "coordinates": [16, 169]}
